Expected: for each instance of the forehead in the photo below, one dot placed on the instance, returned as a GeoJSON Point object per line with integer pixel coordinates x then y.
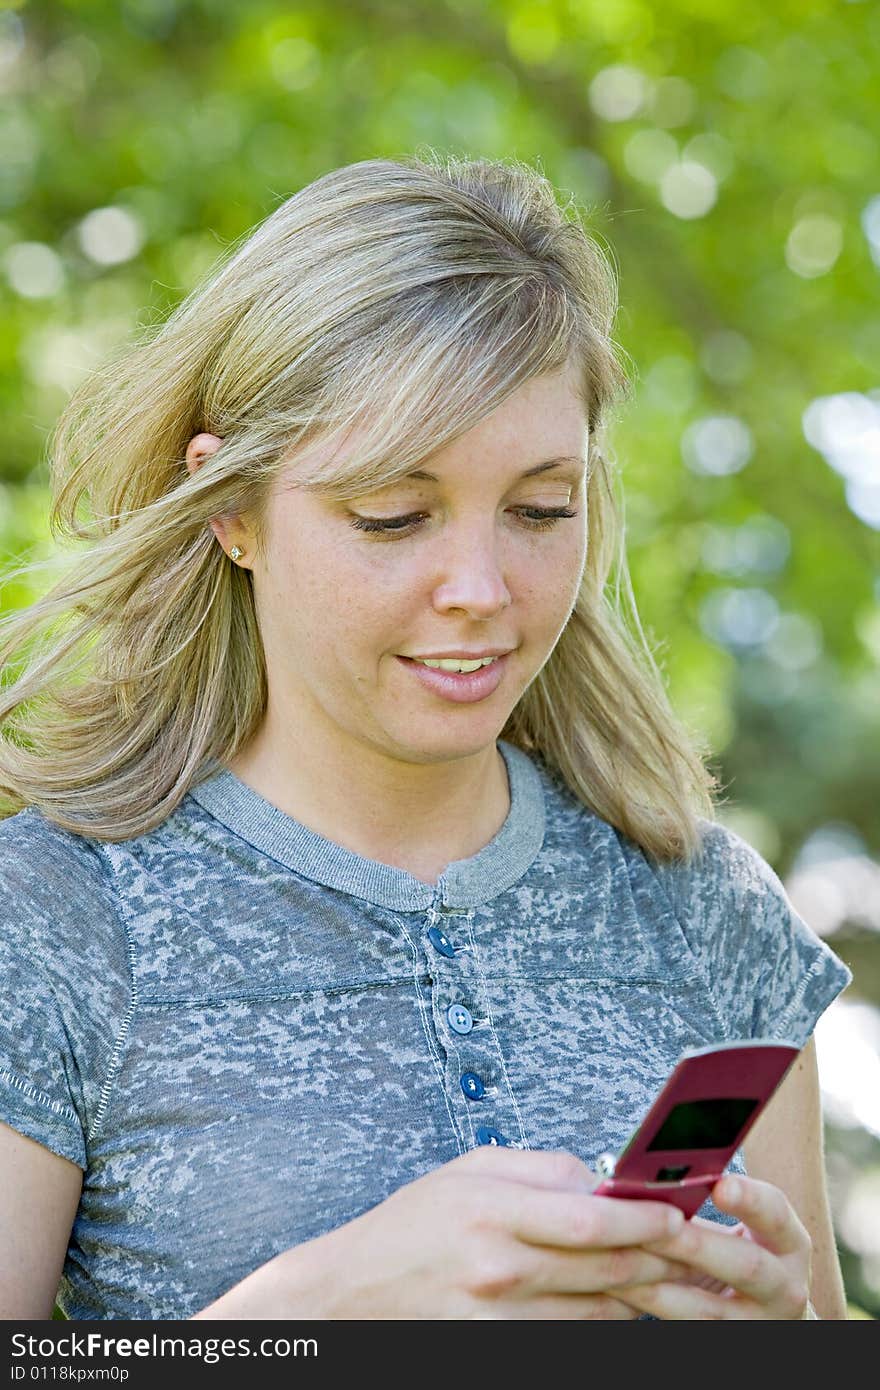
{"type": "Point", "coordinates": [541, 429]}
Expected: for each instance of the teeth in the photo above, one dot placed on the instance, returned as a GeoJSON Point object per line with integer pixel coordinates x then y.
{"type": "Point", "coordinates": [456, 665]}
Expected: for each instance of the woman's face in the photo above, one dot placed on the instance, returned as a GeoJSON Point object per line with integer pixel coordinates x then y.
{"type": "Point", "coordinates": [343, 610]}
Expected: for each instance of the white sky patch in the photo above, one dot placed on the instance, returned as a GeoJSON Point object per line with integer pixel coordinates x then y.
{"type": "Point", "coordinates": [618, 92]}
{"type": "Point", "coordinates": [796, 642]}
{"type": "Point", "coordinates": [760, 545]}
{"type": "Point", "coordinates": [845, 429]}
{"type": "Point", "coordinates": [33, 269]}
{"type": "Point", "coordinates": [871, 227]}
{"type": "Point", "coordinates": [110, 236]}
{"type": "Point", "coordinates": [688, 189]}
{"type": "Point", "coordinates": [848, 1051]}
{"type": "Point", "coordinates": [717, 445]}
{"type": "Point", "coordinates": [835, 893]}
{"type": "Point", "coordinates": [739, 618]}
{"type": "Point", "coordinates": [813, 246]}
{"type": "Point", "coordinates": [711, 150]}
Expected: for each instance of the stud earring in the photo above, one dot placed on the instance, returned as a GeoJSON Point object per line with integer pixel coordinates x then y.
{"type": "Point", "coordinates": [236, 552]}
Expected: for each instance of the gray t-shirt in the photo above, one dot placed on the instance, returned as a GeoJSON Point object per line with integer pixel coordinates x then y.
{"type": "Point", "coordinates": [246, 1034]}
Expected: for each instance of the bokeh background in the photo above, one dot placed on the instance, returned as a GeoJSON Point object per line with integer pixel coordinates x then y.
{"type": "Point", "coordinates": [728, 154]}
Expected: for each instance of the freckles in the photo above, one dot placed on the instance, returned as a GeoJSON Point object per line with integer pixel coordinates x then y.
{"type": "Point", "coordinates": [381, 580]}
{"type": "Point", "coordinates": [547, 585]}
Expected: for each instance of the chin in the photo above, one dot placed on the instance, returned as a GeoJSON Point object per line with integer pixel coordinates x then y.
{"type": "Point", "coordinates": [438, 746]}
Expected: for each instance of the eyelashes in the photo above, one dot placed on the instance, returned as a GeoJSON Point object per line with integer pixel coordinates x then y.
{"type": "Point", "coordinates": [533, 518]}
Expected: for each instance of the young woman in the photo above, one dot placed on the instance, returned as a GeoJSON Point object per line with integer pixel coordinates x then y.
{"type": "Point", "coordinates": [359, 886]}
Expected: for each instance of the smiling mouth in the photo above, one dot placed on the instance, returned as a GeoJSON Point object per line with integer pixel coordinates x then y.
{"type": "Point", "coordinates": [476, 681]}
{"type": "Point", "coordinates": [464, 664]}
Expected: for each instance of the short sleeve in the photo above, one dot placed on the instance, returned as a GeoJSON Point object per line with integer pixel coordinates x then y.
{"type": "Point", "coordinates": [60, 987]}
{"type": "Point", "coordinates": [38, 1091]}
{"type": "Point", "coordinates": [771, 976]}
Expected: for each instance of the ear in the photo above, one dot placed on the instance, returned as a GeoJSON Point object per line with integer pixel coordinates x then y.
{"type": "Point", "coordinates": [229, 530]}
{"type": "Point", "coordinates": [199, 448]}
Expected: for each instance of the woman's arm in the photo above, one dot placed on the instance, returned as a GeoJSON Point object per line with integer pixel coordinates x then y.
{"type": "Point", "coordinates": [39, 1195]}
{"type": "Point", "coordinates": [495, 1233]}
{"type": "Point", "coordinates": [786, 1148]}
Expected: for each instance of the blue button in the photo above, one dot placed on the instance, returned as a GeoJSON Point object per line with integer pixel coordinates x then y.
{"type": "Point", "coordinates": [485, 1135]}
{"type": "Point", "coordinates": [472, 1085]}
{"type": "Point", "coordinates": [461, 1020]}
{"type": "Point", "coordinates": [440, 941]}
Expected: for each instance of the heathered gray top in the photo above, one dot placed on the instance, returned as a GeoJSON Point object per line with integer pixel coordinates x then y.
{"type": "Point", "coordinates": [245, 1036]}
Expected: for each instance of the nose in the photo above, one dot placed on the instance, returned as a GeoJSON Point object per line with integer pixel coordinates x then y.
{"type": "Point", "coordinates": [472, 578]}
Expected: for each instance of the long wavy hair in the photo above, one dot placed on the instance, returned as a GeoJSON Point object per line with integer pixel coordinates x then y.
{"type": "Point", "coordinates": [404, 297]}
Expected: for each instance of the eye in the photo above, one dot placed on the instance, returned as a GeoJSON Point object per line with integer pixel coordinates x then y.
{"type": "Point", "coordinates": [541, 518]}
{"type": "Point", "coordinates": [534, 518]}
{"type": "Point", "coordinates": [385, 524]}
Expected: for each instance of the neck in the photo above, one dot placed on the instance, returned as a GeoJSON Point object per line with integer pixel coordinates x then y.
{"type": "Point", "coordinates": [414, 816]}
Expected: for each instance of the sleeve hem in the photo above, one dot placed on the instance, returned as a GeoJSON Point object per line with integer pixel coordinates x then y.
{"type": "Point", "coordinates": [826, 978]}
{"type": "Point", "coordinates": [38, 1117]}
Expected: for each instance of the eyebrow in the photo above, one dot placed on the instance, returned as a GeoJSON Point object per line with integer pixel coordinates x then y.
{"type": "Point", "coordinates": [529, 473]}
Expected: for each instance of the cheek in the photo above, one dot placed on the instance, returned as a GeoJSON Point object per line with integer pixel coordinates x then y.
{"type": "Point", "coordinates": [548, 580]}
{"type": "Point", "coordinates": [298, 600]}
{"type": "Point", "coordinates": [334, 601]}
{"type": "Point", "coordinates": [370, 585]}
{"type": "Point", "coordinates": [376, 586]}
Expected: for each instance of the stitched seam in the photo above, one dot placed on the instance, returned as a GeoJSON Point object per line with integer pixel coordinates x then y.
{"type": "Point", "coordinates": [438, 1064]}
{"type": "Point", "coordinates": [677, 983]}
{"type": "Point", "coordinates": [198, 1001]}
{"type": "Point", "coordinates": [109, 850]}
{"type": "Point", "coordinates": [702, 973]}
{"type": "Point", "coordinates": [212, 1000]}
{"type": "Point", "coordinates": [814, 970]}
{"type": "Point", "coordinates": [56, 1106]}
{"type": "Point", "coordinates": [469, 926]}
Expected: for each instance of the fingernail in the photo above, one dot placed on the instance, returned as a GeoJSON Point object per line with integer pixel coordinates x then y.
{"type": "Point", "coordinates": [674, 1220]}
{"type": "Point", "coordinates": [732, 1190]}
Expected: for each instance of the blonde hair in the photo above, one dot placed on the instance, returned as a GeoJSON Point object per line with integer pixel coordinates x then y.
{"type": "Point", "coordinates": [407, 298]}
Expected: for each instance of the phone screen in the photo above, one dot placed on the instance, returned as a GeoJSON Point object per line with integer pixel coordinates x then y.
{"type": "Point", "coordinates": [702, 1112]}
{"type": "Point", "coordinates": [703, 1124]}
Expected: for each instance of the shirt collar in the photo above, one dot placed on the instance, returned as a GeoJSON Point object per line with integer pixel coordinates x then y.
{"type": "Point", "coordinates": [464, 883]}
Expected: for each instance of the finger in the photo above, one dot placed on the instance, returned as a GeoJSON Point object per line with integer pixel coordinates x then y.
{"type": "Point", "coordinates": [575, 1220]}
{"type": "Point", "coordinates": [681, 1302]}
{"type": "Point", "coordinates": [765, 1210]}
{"type": "Point", "coordinates": [741, 1264]}
{"type": "Point", "coordinates": [551, 1168]}
{"type": "Point", "coordinates": [574, 1308]}
{"type": "Point", "coordinates": [597, 1271]}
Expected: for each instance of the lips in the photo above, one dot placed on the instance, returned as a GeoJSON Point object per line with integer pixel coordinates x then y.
{"type": "Point", "coordinates": [460, 656]}
{"type": "Point", "coordinates": [465, 687]}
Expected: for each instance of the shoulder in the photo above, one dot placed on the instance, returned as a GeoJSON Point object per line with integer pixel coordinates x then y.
{"type": "Point", "coordinates": [772, 972]}
{"type": "Point", "coordinates": [56, 899]}
{"type": "Point", "coordinates": [726, 872]}
{"type": "Point", "coordinates": [44, 864]}
{"type": "Point", "coordinates": [727, 897]}
{"type": "Point", "coordinates": [571, 828]}
{"type": "Point", "coordinates": [65, 974]}
{"type": "Point", "coordinates": [30, 843]}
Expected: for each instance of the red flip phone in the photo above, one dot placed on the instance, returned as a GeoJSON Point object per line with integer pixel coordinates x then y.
{"type": "Point", "coordinates": [702, 1114]}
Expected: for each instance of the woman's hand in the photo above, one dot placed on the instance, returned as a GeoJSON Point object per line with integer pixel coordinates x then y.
{"type": "Point", "coordinates": [499, 1233]}
{"type": "Point", "coordinates": [757, 1269]}
{"type": "Point", "coordinates": [495, 1233]}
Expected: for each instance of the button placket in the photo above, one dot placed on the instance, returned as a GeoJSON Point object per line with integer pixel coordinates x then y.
{"type": "Point", "coordinates": [473, 1066]}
